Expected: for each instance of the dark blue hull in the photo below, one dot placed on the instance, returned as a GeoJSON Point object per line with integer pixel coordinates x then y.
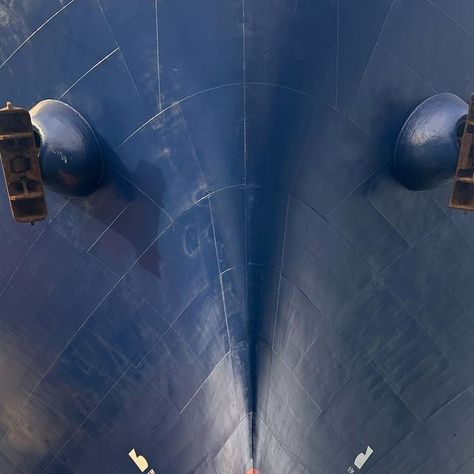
{"type": "Point", "coordinates": [250, 287]}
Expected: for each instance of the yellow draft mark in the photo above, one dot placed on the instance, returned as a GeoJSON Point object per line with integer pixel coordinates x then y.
{"type": "Point", "coordinates": [140, 461]}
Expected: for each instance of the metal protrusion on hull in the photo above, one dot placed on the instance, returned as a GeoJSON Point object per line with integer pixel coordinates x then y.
{"type": "Point", "coordinates": [21, 167]}
{"type": "Point", "coordinates": [463, 192]}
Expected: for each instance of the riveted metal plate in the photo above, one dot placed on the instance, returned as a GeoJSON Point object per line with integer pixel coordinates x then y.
{"type": "Point", "coordinates": [19, 154]}
{"type": "Point", "coordinates": [463, 192]}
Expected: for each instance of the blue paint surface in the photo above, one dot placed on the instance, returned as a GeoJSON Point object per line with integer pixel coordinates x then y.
{"type": "Point", "coordinates": [250, 286]}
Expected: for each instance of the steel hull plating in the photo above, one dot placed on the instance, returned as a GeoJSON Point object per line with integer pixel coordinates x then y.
{"type": "Point", "coordinates": [250, 288]}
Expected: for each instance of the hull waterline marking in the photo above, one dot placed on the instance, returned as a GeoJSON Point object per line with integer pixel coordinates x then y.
{"type": "Point", "coordinates": [140, 462]}
{"type": "Point", "coordinates": [360, 460]}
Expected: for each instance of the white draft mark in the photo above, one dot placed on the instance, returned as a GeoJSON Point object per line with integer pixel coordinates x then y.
{"type": "Point", "coordinates": [361, 459]}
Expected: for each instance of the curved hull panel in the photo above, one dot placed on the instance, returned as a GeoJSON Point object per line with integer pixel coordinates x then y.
{"type": "Point", "coordinates": [250, 290]}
